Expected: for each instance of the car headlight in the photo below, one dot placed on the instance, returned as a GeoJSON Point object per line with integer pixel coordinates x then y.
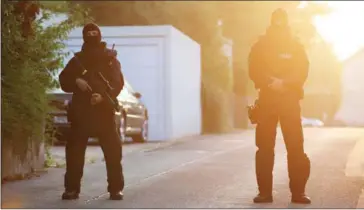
{"type": "Point", "coordinates": [66, 104]}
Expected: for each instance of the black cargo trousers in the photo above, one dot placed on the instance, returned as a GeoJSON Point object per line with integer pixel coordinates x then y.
{"type": "Point", "coordinates": [287, 111]}
{"type": "Point", "coordinates": [103, 126]}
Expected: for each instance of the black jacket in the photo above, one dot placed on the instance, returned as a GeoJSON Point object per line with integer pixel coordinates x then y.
{"type": "Point", "coordinates": [93, 59]}
{"type": "Point", "coordinates": [279, 54]}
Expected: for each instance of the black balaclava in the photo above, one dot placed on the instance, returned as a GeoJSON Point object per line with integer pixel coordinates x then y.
{"type": "Point", "coordinates": [279, 23]}
{"type": "Point", "coordinates": [91, 34]}
{"type": "Point", "coordinates": [279, 18]}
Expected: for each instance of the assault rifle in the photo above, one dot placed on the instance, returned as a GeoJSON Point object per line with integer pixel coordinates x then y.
{"type": "Point", "coordinates": [104, 91]}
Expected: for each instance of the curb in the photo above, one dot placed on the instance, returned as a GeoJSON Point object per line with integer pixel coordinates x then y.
{"type": "Point", "coordinates": [355, 163]}
{"type": "Point", "coordinates": [360, 204]}
{"type": "Point", "coordinates": [355, 167]}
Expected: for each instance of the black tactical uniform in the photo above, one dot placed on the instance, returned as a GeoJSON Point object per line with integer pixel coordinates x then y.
{"type": "Point", "coordinates": [280, 55]}
{"type": "Point", "coordinates": [96, 120]}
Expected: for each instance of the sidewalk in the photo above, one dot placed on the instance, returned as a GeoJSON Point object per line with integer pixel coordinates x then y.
{"type": "Point", "coordinates": [47, 189]}
{"type": "Point", "coordinates": [355, 166]}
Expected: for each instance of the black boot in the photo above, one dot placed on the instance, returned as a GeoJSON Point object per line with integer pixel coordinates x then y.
{"type": "Point", "coordinates": [70, 195]}
{"type": "Point", "coordinates": [263, 198]}
{"type": "Point", "coordinates": [116, 195]}
{"type": "Point", "coordinates": [301, 199]}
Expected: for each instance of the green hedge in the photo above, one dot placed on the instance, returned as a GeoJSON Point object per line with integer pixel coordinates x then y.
{"type": "Point", "coordinates": [28, 69]}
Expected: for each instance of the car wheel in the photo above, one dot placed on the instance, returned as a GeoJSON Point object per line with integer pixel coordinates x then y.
{"type": "Point", "coordinates": [122, 129]}
{"type": "Point", "coordinates": [143, 135]}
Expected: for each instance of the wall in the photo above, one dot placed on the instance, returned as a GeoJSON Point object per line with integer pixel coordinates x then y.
{"type": "Point", "coordinates": [351, 110]}
{"type": "Point", "coordinates": [13, 168]}
{"type": "Point", "coordinates": [185, 85]}
{"type": "Point", "coordinates": [142, 63]}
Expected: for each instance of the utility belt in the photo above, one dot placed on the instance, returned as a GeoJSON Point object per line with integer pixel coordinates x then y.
{"type": "Point", "coordinates": [272, 100]}
{"type": "Point", "coordinates": [267, 93]}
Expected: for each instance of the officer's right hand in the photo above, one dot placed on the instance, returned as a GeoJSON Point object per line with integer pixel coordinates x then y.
{"type": "Point", "coordinates": [82, 84]}
{"type": "Point", "coordinates": [277, 84]}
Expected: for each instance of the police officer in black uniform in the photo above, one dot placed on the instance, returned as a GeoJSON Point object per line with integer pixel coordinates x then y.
{"type": "Point", "coordinates": [90, 112]}
{"type": "Point", "coordinates": [278, 65]}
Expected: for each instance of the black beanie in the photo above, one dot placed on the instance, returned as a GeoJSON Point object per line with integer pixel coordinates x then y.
{"type": "Point", "coordinates": [88, 36]}
{"type": "Point", "coordinates": [279, 15]}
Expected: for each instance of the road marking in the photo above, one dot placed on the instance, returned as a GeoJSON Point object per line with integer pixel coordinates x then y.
{"type": "Point", "coordinates": [360, 204]}
{"type": "Point", "coordinates": [175, 168]}
{"type": "Point", "coordinates": [355, 167]}
{"type": "Point", "coordinates": [309, 135]}
{"type": "Point", "coordinates": [355, 163]}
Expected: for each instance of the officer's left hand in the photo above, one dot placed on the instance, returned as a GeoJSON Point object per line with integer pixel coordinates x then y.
{"type": "Point", "coordinates": [277, 84]}
{"type": "Point", "coordinates": [96, 98]}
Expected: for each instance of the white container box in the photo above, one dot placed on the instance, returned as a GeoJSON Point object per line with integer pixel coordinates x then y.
{"type": "Point", "coordinates": [164, 65]}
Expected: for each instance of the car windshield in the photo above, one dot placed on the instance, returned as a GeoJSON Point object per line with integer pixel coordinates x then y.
{"type": "Point", "coordinates": [126, 91]}
{"type": "Point", "coordinates": [128, 87]}
{"type": "Point", "coordinates": [55, 90]}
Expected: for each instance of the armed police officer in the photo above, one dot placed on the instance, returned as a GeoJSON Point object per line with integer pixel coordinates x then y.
{"type": "Point", "coordinates": [278, 65]}
{"type": "Point", "coordinates": [91, 111]}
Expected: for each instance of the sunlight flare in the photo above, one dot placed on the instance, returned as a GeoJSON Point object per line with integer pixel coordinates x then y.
{"type": "Point", "coordinates": [344, 27]}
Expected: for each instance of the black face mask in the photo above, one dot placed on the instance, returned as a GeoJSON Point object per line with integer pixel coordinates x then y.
{"type": "Point", "coordinates": [280, 23]}
{"type": "Point", "coordinates": [279, 27]}
{"type": "Point", "coordinates": [92, 40]}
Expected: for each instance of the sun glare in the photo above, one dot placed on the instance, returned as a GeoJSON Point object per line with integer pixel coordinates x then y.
{"type": "Point", "coordinates": [344, 27]}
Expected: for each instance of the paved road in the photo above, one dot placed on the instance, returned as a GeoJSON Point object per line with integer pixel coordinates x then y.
{"type": "Point", "coordinates": [209, 172]}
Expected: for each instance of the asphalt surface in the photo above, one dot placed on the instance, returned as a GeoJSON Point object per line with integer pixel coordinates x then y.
{"type": "Point", "coordinates": [208, 172]}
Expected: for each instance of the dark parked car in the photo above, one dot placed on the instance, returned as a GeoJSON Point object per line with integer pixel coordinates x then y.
{"type": "Point", "coordinates": [132, 120]}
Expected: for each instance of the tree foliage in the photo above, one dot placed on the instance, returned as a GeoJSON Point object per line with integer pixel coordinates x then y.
{"type": "Point", "coordinates": [246, 20]}
{"type": "Point", "coordinates": [243, 23]}
{"type": "Point", "coordinates": [30, 59]}
{"type": "Point", "coordinates": [324, 80]}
